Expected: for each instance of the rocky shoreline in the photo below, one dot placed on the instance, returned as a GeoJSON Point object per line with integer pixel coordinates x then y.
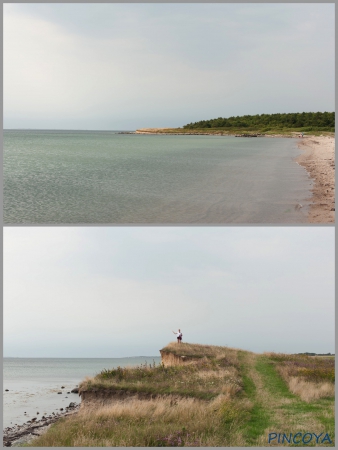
{"type": "Point", "coordinates": [22, 434]}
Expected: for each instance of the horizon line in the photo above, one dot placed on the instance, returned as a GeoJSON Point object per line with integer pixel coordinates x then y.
{"type": "Point", "coordinates": [57, 129]}
{"type": "Point", "coordinates": [81, 357]}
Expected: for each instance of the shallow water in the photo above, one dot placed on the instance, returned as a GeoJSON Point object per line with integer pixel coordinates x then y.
{"type": "Point", "coordinates": [65, 177]}
{"type": "Point", "coordinates": [33, 383]}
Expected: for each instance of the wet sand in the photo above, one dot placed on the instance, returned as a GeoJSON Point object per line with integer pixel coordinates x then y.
{"type": "Point", "coordinates": [22, 434]}
{"type": "Point", "coordinates": [318, 158]}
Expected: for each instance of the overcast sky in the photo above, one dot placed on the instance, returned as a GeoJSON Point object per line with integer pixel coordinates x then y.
{"type": "Point", "coordinates": [114, 292]}
{"type": "Point", "coordinates": [126, 66]}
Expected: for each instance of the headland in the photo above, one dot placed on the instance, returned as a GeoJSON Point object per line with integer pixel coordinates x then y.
{"type": "Point", "coordinates": [203, 395]}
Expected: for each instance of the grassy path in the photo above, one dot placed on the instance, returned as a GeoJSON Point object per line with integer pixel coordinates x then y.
{"type": "Point", "coordinates": [276, 410]}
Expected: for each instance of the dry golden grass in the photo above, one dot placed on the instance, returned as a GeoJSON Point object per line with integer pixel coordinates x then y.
{"type": "Point", "coordinates": [168, 421]}
{"type": "Point", "coordinates": [203, 351]}
{"type": "Point", "coordinates": [309, 391]}
{"type": "Point", "coordinates": [222, 373]}
{"type": "Point", "coordinates": [310, 368]}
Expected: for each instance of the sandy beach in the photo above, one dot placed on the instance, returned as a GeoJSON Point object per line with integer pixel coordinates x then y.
{"type": "Point", "coordinates": [318, 158]}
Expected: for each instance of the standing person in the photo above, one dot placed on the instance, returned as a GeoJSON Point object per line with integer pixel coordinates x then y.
{"type": "Point", "coordinates": [179, 335]}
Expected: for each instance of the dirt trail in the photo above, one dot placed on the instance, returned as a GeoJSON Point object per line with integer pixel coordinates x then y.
{"type": "Point", "coordinates": [275, 408]}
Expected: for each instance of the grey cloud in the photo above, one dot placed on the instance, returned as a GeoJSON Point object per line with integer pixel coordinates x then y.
{"type": "Point", "coordinates": [221, 285]}
{"type": "Point", "coordinates": [127, 66]}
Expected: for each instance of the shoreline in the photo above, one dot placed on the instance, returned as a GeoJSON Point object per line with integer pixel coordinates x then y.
{"type": "Point", "coordinates": [318, 159]}
{"type": "Point", "coordinates": [22, 434]}
{"type": "Point", "coordinates": [236, 133]}
{"type": "Point", "coordinates": [166, 132]}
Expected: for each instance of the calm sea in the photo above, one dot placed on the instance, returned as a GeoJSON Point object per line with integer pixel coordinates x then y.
{"type": "Point", "coordinates": [33, 383]}
{"type": "Point", "coordinates": [54, 177]}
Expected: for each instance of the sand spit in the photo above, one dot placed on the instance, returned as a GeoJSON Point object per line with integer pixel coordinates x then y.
{"type": "Point", "coordinates": [175, 132]}
{"type": "Point", "coordinates": [18, 435]}
{"type": "Point", "coordinates": [318, 158]}
{"type": "Point", "coordinates": [151, 130]}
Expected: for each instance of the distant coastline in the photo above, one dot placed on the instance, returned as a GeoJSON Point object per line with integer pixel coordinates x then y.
{"type": "Point", "coordinates": [262, 125]}
{"type": "Point", "coordinates": [237, 133]}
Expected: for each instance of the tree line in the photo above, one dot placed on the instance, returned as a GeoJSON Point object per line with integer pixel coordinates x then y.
{"type": "Point", "coordinates": [312, 120]}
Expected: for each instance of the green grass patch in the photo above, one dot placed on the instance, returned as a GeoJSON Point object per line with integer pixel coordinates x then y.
{"type": "Point", "coordinates": [259, 421]}
{"type": "Point", "coordinates": [248, 386]}
{"type": "Point", "coordinates": [259, 418]}
{"type": "Point", "coordinates": [273, 381]}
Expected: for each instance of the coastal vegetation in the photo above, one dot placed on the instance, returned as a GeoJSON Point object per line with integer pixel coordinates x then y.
{"type": "Point", "coordinates": [305, 121]}
{"type": "Point", "coordinates": [210, 371]}
{"type": "Point", "coordinates": [203, 396]}
{"type": "Point", "coordinates": [310, 378]}
{"type": "Point", "coordinates": [288, 124]}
